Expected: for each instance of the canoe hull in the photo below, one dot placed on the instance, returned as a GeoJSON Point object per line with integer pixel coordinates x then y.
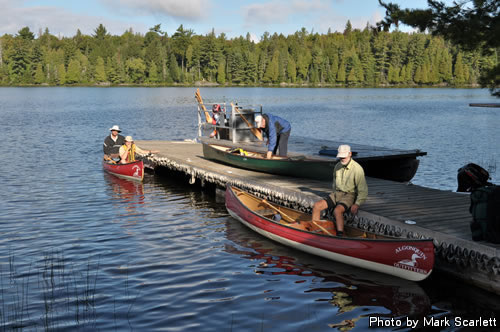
{"type": "Point", "coordinates": [401, 169]}
{"type": "Point", "coordinates": [131, 171]}
{"type": "Point", "coordinates": [297, 167]}
{"type": "Point", "coordinates": [405, 258]}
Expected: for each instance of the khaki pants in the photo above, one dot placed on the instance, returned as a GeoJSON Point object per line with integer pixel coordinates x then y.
{"type": "Point", "coordinates": [340, 197]}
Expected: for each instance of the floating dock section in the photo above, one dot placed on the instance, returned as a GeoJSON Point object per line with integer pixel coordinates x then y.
{"type": "Point", "coordinates": [392, 208]}
{"type": "Point", "coordinates": [484, 105]}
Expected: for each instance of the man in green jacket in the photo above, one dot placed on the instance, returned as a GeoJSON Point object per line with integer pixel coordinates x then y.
{"type": "Point", "coordinates": [349, 189]}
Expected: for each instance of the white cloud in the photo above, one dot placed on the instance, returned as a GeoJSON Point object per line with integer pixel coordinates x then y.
{"type": "Point", "coordinates": [59, 21]}
{"type": "Point", "coordinates": [184, 9]}
{"type": "Point", "coordinates": [281, 11]}
{"type": "Point", "coordinates": [301, 6]}
{"type": "Point", "coordinates": [266, 13]}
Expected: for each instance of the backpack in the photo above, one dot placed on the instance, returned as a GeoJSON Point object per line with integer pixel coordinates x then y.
{"type": "Point", "coordinates": [485, 210]}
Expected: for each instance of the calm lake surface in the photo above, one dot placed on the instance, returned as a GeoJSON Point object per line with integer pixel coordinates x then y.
{"type": "Point", "coordinates": [83, 250]}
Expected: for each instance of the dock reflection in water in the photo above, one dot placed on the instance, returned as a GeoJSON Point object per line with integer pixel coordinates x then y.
{"type": "Point", "coordinates": [355, 294]}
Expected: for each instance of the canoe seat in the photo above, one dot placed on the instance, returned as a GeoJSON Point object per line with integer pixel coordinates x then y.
{"type": "Point", "coordinates": [265, 212]}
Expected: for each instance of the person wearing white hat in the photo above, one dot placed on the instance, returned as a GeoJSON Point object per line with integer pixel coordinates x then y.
{"type": "Point", "coordinates": [349, 189]}
{"type": "Point", "coordinates": [112, 143]}
{"type": "Point", "coordinates": [128, 150]}
{"type": "Point", "coordinates": [277, 131]}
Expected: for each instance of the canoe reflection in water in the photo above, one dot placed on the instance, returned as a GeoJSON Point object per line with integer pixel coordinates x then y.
{"type": "Point", "coordinates": [356, 293]}
{"type": "Point", "coordinates": [125, 194]}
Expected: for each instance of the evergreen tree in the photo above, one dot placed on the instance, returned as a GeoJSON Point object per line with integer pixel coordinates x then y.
{"type": "Point", "coordinates": [348, 28]}
{"type": "Point", "coordinates": [291, 70]}
{"type": "Point", "coordinates": [236, 67]}
{"type": "Point", "coordinates": [341, 72]}
{"type": "Point", "coordinates": [333, 68]}
{"type": "Point", "coordinates": [381, 56]}
{"type": "Point", "coordinates": [153, 73]}
{"type": "Point", "coordinates": [100, 33]}
{"type": "Point", "coordinates": [135, 69]}
{"type": "Point", "coordinates": [85, 67]}
{"type": "Point", "coordinates": [74, 72]}
{"type": "Point", "coordinates": [473, 26]}
{"type": "Point", "coordinates": [61, 74]}
{"type": "Point", "coordinates": [19, 56]}
{"type": "Point", "coordinates": [174, 68]}
{"type": "Point", "coordinates": [181, 40]}
{"type": "Point", "coordinates": [115, 70]}
{"type": "Point", "coordinates": [26, 34]}
{"type": "Point", "coordinates": [39, 75]}
{"type": "Point", "coordinates": [209, 56]}
{"type": "Point", "coordinates": [100, 72]}
{"type": "Point", "coordinates": [221, 73]}
{"type": "Point", "coordinates": [272, 70]}
{"type": "Point", "coordinates": [250, 60]}
{"type": "Point", "coordinates": [303, 63]}
{"type": "Point", "coordinates": [459, 71]}
{"type": "Point", "coordinates": [262, 66]}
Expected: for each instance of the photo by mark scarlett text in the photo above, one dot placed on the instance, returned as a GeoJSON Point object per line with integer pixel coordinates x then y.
{"type": "Point", "coordinates": [432, 322]}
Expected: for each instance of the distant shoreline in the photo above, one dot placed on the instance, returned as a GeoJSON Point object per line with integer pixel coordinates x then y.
{"type": "Point", "coordinates": [216, 85]}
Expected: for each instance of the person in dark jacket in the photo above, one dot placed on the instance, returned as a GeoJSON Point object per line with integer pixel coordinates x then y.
{"type": "Point", "coordinates": [112, 143]}
{"type": "Point", "coordinates": [277, 131]}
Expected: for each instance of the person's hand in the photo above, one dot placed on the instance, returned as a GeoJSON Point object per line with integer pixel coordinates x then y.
{"type": "Point", "coordinates": [354, 209]}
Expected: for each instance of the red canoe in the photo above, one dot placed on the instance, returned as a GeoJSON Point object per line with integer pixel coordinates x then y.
{"type": "Point", "coordinates": [130, 171]}
{"type": "Point", "coordinates": [409, 259]}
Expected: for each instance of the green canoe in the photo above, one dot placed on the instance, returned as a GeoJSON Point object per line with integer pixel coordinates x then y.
{"type": "Point", "coordinates": [298, 166]}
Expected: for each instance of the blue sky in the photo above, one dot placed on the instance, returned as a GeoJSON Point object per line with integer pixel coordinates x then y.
{"type": "Point", "coordinates": [233, 17]}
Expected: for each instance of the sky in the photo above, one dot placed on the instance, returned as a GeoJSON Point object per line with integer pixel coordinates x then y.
{"type": "Point", "coordinates": [233, 17]}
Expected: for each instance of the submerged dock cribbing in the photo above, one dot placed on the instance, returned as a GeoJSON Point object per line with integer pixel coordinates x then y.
{"type": "Point", "coordinates": [469, 261]}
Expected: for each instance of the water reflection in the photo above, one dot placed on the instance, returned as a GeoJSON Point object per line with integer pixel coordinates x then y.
{"type": "Point", "coordinates": [356, 294]}
{"type": "Point", "coordinates": [126, 194]}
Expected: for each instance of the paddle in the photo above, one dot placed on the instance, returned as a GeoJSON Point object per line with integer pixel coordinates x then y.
{"type": "Point", "coordinates": [324, 229]}
{"type": "Point", "coordinates": [291, 220]}
{"type": "Point", "coordinates": [108, 158]}
{"type": "Point", "coordinates": [255, 131]}
{"type": "Point", "coordinates": [200, 101]}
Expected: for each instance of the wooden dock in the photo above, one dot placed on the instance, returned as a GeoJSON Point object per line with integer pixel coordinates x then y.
{"type": "Point", "coordinates": [392, 208]}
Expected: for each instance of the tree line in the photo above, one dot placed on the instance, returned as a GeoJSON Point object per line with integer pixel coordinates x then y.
{"type": "Point", "coordinates": [353, 57]}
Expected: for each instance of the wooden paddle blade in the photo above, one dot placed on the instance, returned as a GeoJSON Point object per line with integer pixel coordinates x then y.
{"type": "Point", "coordinates": [255, 131]}
{"type": "Point", "coordinates": [197, 95]}
{"type": "Point", "coordinates": [324, 229]}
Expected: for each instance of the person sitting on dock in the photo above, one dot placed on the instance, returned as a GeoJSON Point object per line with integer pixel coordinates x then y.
{"type": "Point", "coordinates": [349, 189]}
{"type": "Point", "coordinates": [112, 144]}
{"type": "Point", "coordinates": [277, 131]}
{"type": "Point", "coordinates": [128, 150]}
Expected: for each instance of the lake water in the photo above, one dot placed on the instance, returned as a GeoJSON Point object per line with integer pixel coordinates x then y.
{"type": "Point", "coordinates": [83, 250]}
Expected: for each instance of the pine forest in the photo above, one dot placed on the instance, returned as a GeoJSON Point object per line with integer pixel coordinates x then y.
{"type": "Point", "coordinates": [336, 59]}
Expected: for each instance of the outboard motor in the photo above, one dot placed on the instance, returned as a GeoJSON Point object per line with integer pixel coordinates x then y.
{"type": "Point", "coordinates": [471, 177]}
